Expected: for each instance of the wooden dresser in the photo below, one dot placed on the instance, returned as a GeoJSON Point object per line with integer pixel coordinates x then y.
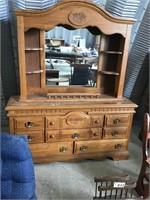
{"type": "Point", "coordinates": [73, 122]}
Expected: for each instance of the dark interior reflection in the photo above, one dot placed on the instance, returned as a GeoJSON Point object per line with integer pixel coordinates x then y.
{"type": "Point", "coordinates": [71, 56]}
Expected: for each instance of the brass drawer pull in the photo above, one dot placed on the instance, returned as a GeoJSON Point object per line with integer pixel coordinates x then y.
{"type": "Point", "coordinates": [118, 146]}
{"type": "Point", "coordinates": [115, 133]}
{"type": "Point", "coordinates": [63, 149]}
{"type": "Point", "coordinates": [97, 122]}
{"type": "Point", "coordinates": [117, 121]}
{"type": "Point", "coordinates": [29, 124]}
{"type": "Point", "coordinates": [83, 148]}
{"type": "Point", "coordinates": [75, 135]}
{"type": "Point", "coordinates": [30, 138]}
{"type": "Point", "coordinates": [51, 123]}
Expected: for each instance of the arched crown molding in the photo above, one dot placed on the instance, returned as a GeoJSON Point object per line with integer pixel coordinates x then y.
{"type": "Point", "coordinates": [77, 14]}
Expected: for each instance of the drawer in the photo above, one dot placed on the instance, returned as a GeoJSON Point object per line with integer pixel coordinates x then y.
{"type": "Point", "coordinates": [74, 134]}
{"type": "Point", "coordinates": [52, 122]}
{"type": "Point", "coordinates": [96, 133]}
{"type": "Point", "coordinates": [97, 121]}
{"type": "Point", "coordinates": [83, 147]}
{"type": "Point", "coordinates": [33, 136]}
{"type": "Point", "coordinates": [117, 120]}
{"type": "Point", "coordinates": [28, 123]}
{"type": "Point", "coordinates": [49, 149]}
{"type": "Point", "coordinates": [115, 132]}
{"type": "Point", "coordinates": [75, 120]}
{"type": "Point", "coordinates": [52, 136]}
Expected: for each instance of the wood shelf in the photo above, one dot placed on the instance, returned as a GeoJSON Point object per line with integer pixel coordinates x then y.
{"type": "Point", "coordinates": [112, 52]}
{"type": "Point", "coordinates": [33, 49]}
{"type": "Point", "coordinates": [35, 72]}
{"type": "Point", "coordinates": [109, 73]}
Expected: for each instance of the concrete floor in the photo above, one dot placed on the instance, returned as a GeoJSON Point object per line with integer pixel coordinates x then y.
{"type": "Point", "coordinates": [75, 181]}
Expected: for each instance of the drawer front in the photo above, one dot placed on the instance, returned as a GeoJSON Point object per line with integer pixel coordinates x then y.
{"type": "Point", "coordinates": [97, 121]}
{"type": "Point", "coordinates": [75, 120]}
{"type": "Point", "coordinates": [28, 123]}
{"type": "Point", "coordinates": [74, 134]}
{"type": "Point", "coordinates": [33, 136]}
{"type": "Point", "coordinates": [115, 132]}
{"type": "Point", "coordinates": [96, 133]}
{"type": "Point", "coordinates": [49, 149]}
{"type": "Point", "coordinates": [52, 122]}
{"type": "Point", "coordinates": [52, 136]}
{"type": "Point", "coordinates": [116, 120]}
{"type": "Point", "coordinates": [83, 147]}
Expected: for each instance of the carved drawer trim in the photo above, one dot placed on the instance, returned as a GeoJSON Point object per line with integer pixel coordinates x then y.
{"type": "Point", "coordinates": [75, 120]}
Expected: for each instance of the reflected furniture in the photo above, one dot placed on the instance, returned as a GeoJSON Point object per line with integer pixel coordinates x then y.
{"type": "Point", "coordinates": [17, 169]}
{"type": "Point", "coordinates": [73, 122]}
{"type": "Point", "coordinates": [115, 187]}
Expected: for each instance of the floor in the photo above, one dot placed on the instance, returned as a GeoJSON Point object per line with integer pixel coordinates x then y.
{"type": "Point", "coordinates": [75, 181]}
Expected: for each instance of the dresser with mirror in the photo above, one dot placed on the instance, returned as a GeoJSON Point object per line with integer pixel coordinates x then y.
{"type": "Point", "coordinates": [71, 102]}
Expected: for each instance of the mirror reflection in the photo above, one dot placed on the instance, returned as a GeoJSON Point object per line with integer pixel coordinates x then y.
{"type": "Point", "coordinates": [71, 57]}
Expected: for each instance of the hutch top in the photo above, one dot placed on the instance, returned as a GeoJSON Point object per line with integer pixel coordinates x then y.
{"type": "Point", "coordinates": [103, 72]}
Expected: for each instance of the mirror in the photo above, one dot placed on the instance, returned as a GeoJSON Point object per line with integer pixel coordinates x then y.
{"type": "Point", "coordinates": [71, 56]}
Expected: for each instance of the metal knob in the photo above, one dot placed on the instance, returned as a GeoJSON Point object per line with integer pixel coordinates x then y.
{"type": "Point", "coordinates": [83, 148]}
{"type": "Point", "coordinates": [30, 138]}
{"type": "Point", "coordinates": [29, 124]}
{"type": "Point", "coordinates": [117, 121]}
{"type": "Point", "coordinates": [97, 122]}
{"type": "Point", "coordinates": [63, 149]}
{"type": "Point", "coordinates": [118, 146]}
{"type": "Point", "coordinates": [114, 133]}
{"type": "Point", "coordinates": [75, 135]}
{"type": "Point", "coordinates": [51, 123]}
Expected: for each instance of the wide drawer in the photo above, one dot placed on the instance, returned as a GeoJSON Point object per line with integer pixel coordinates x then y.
{"type": "Point", "coordinates": [52, 122]}
{"type": "Point", "coordinates": [33, 136]}
{"type": "Point", "coordinates": [83, 147]}
{"type": "Point", "coordinates": [74, 134]}
{"type": "Point", "coordinates": [75, 120]}
{"type": "Point", "coordinates": [52, 136]}
{"type": "Point", "coordinates": [28, 123]}
{"type": "Point", "coordinates": [115, 132]}
{"type": "Point", "coordinates": [117, 120]}
{"type": "Point", "coordinates": [49, 149]}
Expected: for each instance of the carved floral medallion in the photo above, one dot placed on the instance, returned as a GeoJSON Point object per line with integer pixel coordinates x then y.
{"type": "Point", "coordinates": [78, 17]}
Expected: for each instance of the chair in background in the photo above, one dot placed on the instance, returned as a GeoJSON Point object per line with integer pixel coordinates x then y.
{"type": "Point", "coordinates": [142, 187]}
{"type": "Point", "coordinates": [115, 187]}
{"type": "Point", "coordinates": [17, 169]}
{"type": "Point", "coordinates": [80, 74]}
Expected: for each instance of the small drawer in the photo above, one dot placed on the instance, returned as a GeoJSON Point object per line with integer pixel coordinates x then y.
{"type": "Point", "coordinates": [97, 121]}
{"type": "Point", "coordinates": [33, 136]}
{"type": "Point", "coordinates": [96, 133]}
{"type": "Point", "coordinates": [75, 120]}
{"type": "Point", "coordinates": [50, 149]}
{"type": "Point", "coordinates": [52, 136]}
{"type": "Point", "coordinates": [74, 134]}
{"type": "Point", "coordinates": [117, 120]}
{"type": "Point", "coordinates": [28, 123]}
{"type": "Point", "coordinates": [83, 147]}
{"type": "Point", "coordinates": [115, 132]}
{"type": "Point", "coordinates": [52, 122]}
